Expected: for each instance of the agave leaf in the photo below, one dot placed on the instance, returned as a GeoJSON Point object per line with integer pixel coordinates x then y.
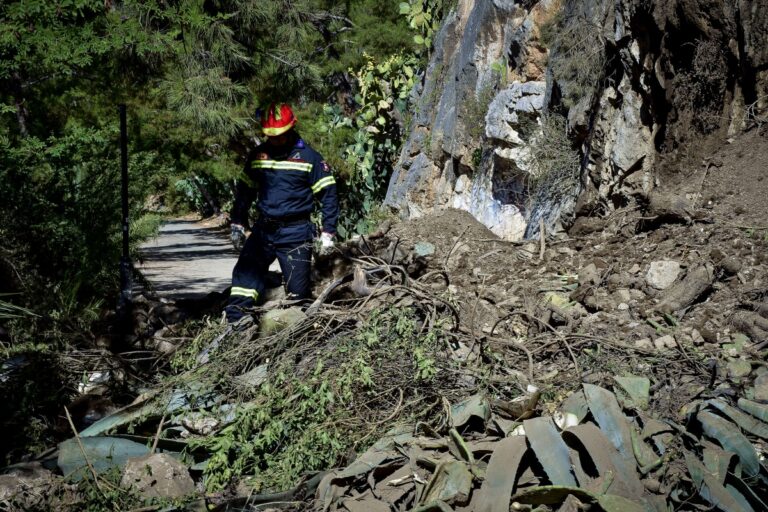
{"type": "Point", "coordinates": [646, 457]}
{"type": "Point", "coordinates": [551, 495]}
{"type": "Point", "coordinates": [605, 409]}
{"type": "Point", "coordinates": [616, 473]}
{"type": "Point", "coordinates": [576, 404]}
{"type": "Point", "coordinates": [745, 421]}
{"type": "Point", "coordinates": [637, 388]}
{"type": "Point", "coordinates": [500, 476]}
{"type": "Point", "coordinates": [103, 453]}
{"type": "Point", "coordinates": [612, 503]}
{"type": "Point", "coordinates": [757, 410]}
{"type": "Point", "coordinates": [717, 461]}
{"type": "Point", "coordinates": [709, 488]}
{"type": "Point", "coordinates": [731, 439]}
{"type": "Point", "coordinates": [556, 494]}
{"type": "Point", "coordinates": [550, 449]}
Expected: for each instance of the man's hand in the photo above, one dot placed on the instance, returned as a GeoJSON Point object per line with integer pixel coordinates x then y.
{"type": "Point", "coordinates": [326, 244]}
{"type": "Point", "coordinates": [237, 235]}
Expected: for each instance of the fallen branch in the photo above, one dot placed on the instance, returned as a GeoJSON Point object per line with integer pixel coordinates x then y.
{"type": "Point", "coordinates": [82, 450]}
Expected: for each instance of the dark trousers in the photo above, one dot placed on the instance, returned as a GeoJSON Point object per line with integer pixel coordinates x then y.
{"type": "Point", "coordinates": [291, 245]}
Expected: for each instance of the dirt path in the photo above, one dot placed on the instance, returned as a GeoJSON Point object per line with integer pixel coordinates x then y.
{"type": "Point", "coordinates": [188, 259]}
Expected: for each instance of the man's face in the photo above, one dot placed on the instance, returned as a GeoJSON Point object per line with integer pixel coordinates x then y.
{"type": "Point", "coordinates": [279, 140]}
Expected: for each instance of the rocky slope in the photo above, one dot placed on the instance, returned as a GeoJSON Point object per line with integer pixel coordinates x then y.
{"type": "Point", "coordinates": [637, 84]}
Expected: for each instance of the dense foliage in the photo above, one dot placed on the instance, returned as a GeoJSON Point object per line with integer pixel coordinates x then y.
{"type": "Point", "coordinates": [192, 73]}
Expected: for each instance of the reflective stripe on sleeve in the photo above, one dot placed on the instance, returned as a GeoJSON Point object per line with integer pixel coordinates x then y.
{"type": "Point", "coordinates": [283, 165]}
{"type": "Point", "coordinates": [322, 183]}
{"type": "Point", "coordinates": [244, 292]}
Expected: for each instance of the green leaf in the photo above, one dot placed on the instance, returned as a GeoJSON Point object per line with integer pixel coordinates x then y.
{"type": "Point", "coordinates": [405, 8]}
{"type": "Point", "coordinates": [500, 475]}
{"type": "Point", "coordinates": [550, 449]}
{"type": "Point", "coordinates": [709, 488]}
{"type": "Point", "coordinates": [418, 39]}
{"type": "Point", "coordinates": [638, 389]}
{"type": "Point", "coordinates": [731, 439]}
{"type": "Point", "coordinates": [745, 421]}
{"type": "Point", "coordinates": [605, 408]}
{"type": "Point", "coordinates": [757, 410]}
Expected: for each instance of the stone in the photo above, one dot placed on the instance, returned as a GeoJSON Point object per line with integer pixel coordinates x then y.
{"type": "Point", "coordinates": [589, 275]}
{"type": "Point", "coordinates": [761, 387]}
{"type": "Point", "coordinates": [254, 377]}
{"type": "Point", "coordinates": [503, 111]}
{"type": "Point", "coordinates": [28, 486]}
{"type": "Point", "coordinates": [665, 342]}
{"type": "Point", "coordinates": [662, 274]}
{"type": "Point", "coordinates": [623, 307]}
{"type": "Point", "coordinates": [644, 343]}
{"type": "Point", "coordinates": [738, 368]}
{"type": "Point", "coordinates": [157, 475]}
{"type": "Point", "coordinates": [623, 295]}
{"type": "Point", "coordinates": [696, 337]}
{"type": "Point", "coordinates": [277, 320]}
{"type": "Point", "coordinates": [424, 249]}
{"type": "Point", "coordinates": [165, 347]}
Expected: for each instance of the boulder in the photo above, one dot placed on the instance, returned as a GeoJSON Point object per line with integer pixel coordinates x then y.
{"type": "Point", "coordinates": [27, 487]}
{"type": "Point", "coordinates": [157, 475]}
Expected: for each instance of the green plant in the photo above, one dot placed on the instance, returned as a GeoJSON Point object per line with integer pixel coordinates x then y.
{"type": "Point", "coordinates": [474, 109]}
{"type": "Point", "coordinates": [424, 16]}
{"type": "Point", "coordinates": [307, 420]}
{"type": "Point", "coordinates": [376, 132]}
{"type": "Point", "coordinates": [477, 157]}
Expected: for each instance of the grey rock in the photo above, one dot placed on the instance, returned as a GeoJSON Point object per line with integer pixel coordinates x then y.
{"type": "Point", "coordinates": [424, 249]}
{"type": "Point", "coordinates": [665, 342]}
{"type": "Point", "coordinates": [644, 343]}
{"type": "Point", "coordinates": [662, 274]}
{"type": "Point", "coordinates": [761, 387]}
{"type": "Point", "coordinates": [157, 475]}
{"type": "Point", "coordinates": [27, 487]}
{"type": "Point", "coordinates": [738, 368]}
{"type": "Point", "coordinates": [253, 378]}
{"type": "Point", "coordinates": [589, 275]}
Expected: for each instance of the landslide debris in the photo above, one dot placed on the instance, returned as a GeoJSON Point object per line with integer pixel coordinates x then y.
{"type": "Point", "coordinates": [441, 368]}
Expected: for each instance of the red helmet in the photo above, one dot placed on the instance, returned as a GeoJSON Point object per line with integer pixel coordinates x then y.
{"type": "Point", "coordinates": [279, 119]}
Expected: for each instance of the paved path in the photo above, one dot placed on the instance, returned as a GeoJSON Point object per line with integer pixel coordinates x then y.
{"type": "Point", "coordinates": [188, 259]}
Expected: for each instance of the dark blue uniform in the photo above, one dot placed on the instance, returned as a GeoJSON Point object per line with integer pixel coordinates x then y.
{"type": "Point", "coordinates": [287, 181]}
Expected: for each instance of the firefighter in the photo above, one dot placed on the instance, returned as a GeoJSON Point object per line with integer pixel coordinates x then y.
{"type": "Point", "coordinates": [288, 176]}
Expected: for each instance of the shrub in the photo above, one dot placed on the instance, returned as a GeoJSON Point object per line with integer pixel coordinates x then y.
{"type": "Point", "coordinates": [578, 55]}
{"type": "Point", "coordinates": [553, 162]}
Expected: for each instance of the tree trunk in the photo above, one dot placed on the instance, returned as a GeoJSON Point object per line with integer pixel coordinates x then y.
{"type": "Point", "coordinates": [212, 203]}
{"type": "Point", "coordinates": [21, 109]}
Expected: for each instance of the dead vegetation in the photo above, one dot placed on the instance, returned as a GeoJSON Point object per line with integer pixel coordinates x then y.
{"type": "Point", "coordinates": [437, 357]}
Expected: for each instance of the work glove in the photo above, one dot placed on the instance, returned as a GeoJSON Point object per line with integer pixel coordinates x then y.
{"type": "Point", "coordinates": [326, 244]}
{"type": "Point", "coordinates": [237, 235]}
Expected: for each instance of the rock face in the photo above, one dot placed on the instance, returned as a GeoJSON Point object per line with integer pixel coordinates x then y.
{"type": "Point", "coordinates": [473, 94]}
{"type": "Point", "coordinates": [634, 79]}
